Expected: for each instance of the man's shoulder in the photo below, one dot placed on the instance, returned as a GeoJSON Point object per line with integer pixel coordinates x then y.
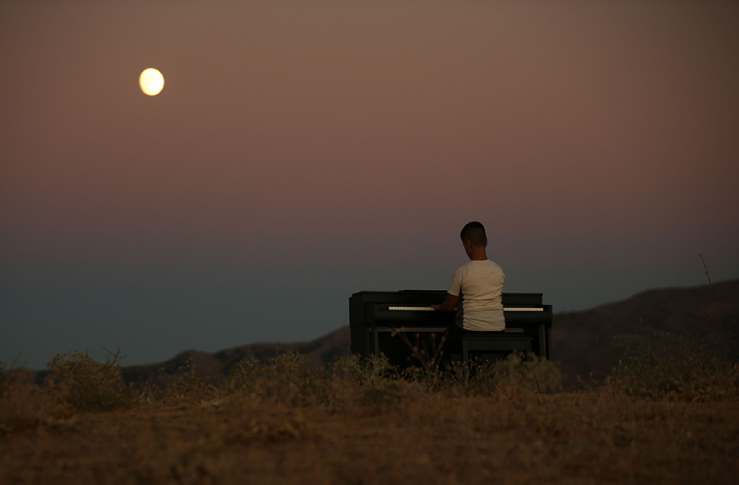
{"type": "Point", "coordinates": [480, 267]}
{"type": "Point", "coordinates": [465, 268]}
{"type": "Point", "coordinates": [494, 265]}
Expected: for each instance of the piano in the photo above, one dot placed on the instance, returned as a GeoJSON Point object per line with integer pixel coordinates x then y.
{"type": "Point", "coordinates": [374, 315]}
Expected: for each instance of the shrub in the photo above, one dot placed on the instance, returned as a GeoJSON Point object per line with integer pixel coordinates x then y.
{"type": "Point", "coordinates": [76, 380]}
{"type": "Point", "coordinates": [188, 386]}
{"type": "Point", "coordinates": [288, 378]}
{"type": "Point", "coordinates": [532, 374]}
{"type": "Point", "coordinates": [22, 403]}
{"type": "Point", "coordinates": [292, 379]}
{"type": "Point", "coordinates": [361, 371]}
{"type": "Point", "coordinates": [428, 353]}
{"type": "Point", "coordinates": [674, 367]}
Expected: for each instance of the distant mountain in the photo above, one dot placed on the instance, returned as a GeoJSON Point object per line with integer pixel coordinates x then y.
{"type": "Point", "coordinates": [586, 342]}
{"type": "Point", "coordinates": [583, 342]}
{"type": "Point", "coordinates": [322, 351]}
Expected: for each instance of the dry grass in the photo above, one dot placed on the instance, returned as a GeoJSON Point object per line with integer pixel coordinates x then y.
{"type": "Point", "coordinates": [359, 423]}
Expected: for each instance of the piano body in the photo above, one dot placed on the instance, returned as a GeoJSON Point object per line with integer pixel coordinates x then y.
{"type": "Point", "coordinates": [374, 314]}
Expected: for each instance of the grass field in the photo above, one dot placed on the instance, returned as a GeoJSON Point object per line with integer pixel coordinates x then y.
{"type": "Point", "coordinates": [359, 423]}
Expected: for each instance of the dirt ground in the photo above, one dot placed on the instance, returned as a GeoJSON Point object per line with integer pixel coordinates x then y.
{"type": "Point", "coordinates": [511, 438]}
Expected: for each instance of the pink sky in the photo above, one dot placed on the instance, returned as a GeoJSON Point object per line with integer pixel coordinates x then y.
{"type": "Point", "coordinates": [324, 148]}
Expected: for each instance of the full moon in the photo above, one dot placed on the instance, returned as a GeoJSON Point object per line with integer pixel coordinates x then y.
{"type": "Point", "coordinates": [151, 81]}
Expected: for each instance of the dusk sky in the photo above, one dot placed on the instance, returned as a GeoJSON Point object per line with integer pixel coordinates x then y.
{"type": "Point", "coordinates": [302, 151]}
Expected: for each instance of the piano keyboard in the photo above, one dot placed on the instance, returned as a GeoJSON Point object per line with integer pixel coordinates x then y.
{"type": "Point", "coordinates": [410, 308]}
{"type": "Point", "coordinates": [429, 309]}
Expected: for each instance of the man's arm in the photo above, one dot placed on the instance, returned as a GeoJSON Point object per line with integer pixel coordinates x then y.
{"type": "Point", "coordinates": [449, 303]}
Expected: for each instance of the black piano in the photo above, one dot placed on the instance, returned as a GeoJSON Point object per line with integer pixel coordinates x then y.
{"type": "Point", "coordinates": [373, 315]}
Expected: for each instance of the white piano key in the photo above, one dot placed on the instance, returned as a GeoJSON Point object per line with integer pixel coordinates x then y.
{"type": "Point", "coordinates": [411, 308]}
{"type": "Point", "coordinates": [429, 309]}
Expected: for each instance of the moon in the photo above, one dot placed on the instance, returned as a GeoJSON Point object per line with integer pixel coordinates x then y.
{"type": "Point", "coordinates": [151, 81]}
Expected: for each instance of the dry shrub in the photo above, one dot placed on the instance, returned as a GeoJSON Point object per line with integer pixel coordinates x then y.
{"type": "Point", "coordinates": [674, 368]}
{"type": "Point", "coordinates": [292, 379]}
{"type": "Point", "coordinates": [83, 384]}
{"type": "Point", "coordinates": [288, 378]}
{"type": "Point", "coordinates": [23, 405]}
{"type": "Point", "coordinates": [515, 374]}
{"type": "Point", "coordinates": [187, 386]}
{"type": "Point", "coordinates": [428, 354]}
{"type": "Point", "coordinates": [349, 379]}
{"type": "Point", "coordinates": [360, 371]}
{"type": "Point", "coordinates": [371, 380]}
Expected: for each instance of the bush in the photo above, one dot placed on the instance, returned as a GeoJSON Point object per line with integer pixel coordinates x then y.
{"type": "Point", "coordinates": [76, 380]}
{"type": "Point", "coordinates": [375, 382]}
{"type": "Point", "coordinates": [288, 378]}
{"type": "Point", "coordinates": [361, 371]}
{"type": "Point", "coordinates": [292, 379]}
{"type": "Point", "coordinates": [674, 367]}
{"type": "Point", "coordinates": [532, 374]}
{"type": "Point", "coordinates": [188, 386]}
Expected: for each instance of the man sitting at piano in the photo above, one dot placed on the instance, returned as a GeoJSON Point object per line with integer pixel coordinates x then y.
{"type": "Point", "coordinates": [479, 284]}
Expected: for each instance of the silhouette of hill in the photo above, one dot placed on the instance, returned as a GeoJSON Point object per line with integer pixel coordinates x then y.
{"type": "Point", "coordinates": [322, 351]}
{"type": "Point", "coordinates": [583, 342]}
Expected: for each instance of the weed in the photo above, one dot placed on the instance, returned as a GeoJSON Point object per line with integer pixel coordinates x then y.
{"type": "Point", "coordinates": [188, 386]}
{"type": "Point", "coordinates": [288, 378]}
{"type": "Point", "coordinates": [245, 373]}
{"type": "Point", "coordinates": [76, 380]}
{"type": "Point", "coordinates": [362, 371]}
{"type": "Point", "coordinates": [24, 405]}
{"type": "Point", "coordinates": [480, 378]}
{"type": "Point", "coordinates": [428, 354]}
{"type": "Point", "coordinates": [674, 367]}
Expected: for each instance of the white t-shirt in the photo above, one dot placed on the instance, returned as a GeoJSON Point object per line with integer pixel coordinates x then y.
{"type": "Point", "coordinates": [481, 285]}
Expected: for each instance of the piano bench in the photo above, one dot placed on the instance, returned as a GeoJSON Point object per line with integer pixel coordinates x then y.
{"type": "Point", "coordinates": [492, 343]}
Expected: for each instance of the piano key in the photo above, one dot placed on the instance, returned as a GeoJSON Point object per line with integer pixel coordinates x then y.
{"type": "Point", "coordinates": [429, 309]}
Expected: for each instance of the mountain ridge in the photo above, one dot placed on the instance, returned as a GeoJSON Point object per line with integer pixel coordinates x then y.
{"type": "Point", "coordinates": [583, 342]}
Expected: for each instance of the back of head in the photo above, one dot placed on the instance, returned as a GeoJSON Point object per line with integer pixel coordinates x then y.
{"type": "Point", "coordinates": [475, 232]}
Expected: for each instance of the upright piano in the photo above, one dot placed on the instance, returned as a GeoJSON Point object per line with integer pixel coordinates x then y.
{"type": "Point", "coordinates": [374, 315]}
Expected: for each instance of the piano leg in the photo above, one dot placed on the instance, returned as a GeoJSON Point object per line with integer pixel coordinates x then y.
{"type": "Point", "coordinates": [375, 341]}
{"type": "Point", "coordinates": [543, 347]}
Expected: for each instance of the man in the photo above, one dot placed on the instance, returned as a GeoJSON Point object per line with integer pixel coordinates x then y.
{"type": "Point", "coordinates": [479, 283]}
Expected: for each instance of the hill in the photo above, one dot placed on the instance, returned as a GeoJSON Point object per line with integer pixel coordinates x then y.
{"type": "Point", "coordinates": [584, 342]}
{"type": "Point", "coordinates": [321, 350]}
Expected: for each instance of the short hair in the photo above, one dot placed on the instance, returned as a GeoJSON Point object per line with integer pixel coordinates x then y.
{"type": "Point", "coordinates": [475, 232]}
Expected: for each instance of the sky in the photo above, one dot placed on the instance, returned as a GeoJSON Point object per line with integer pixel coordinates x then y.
{"type": "Point", "coordinates": [302, 151]}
